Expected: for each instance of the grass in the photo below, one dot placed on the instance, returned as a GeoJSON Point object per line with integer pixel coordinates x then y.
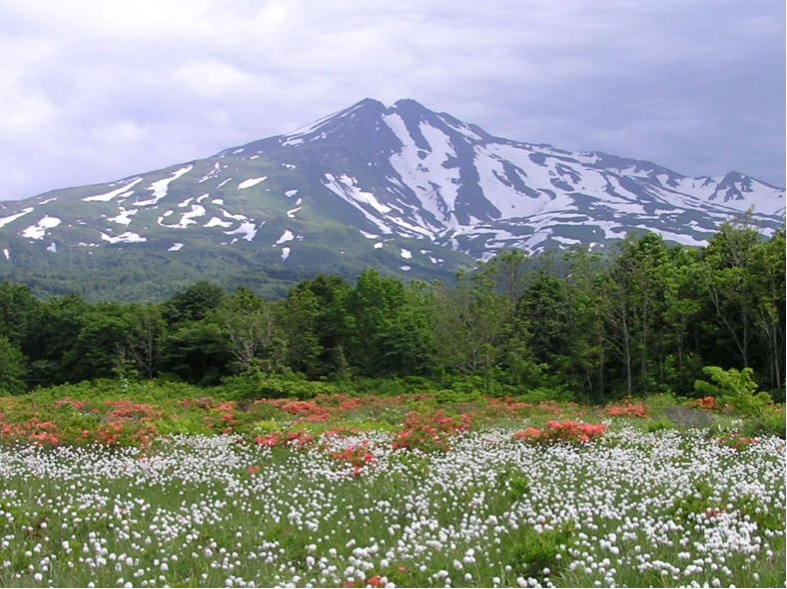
{"type": "Point", "coordinates": [150, 484]}
{"type": "Point", "coordinates": [216, 511]}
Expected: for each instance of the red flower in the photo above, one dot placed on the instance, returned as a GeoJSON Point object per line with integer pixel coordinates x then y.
{"type": "Point", "coordinates": [708, 403]}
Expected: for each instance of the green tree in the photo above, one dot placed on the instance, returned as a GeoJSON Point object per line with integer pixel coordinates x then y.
{"type": "Point", "coordinates": [511, 272]}
{"type": "Point", "coordinates": [681, 317]}
{"type": "Point", "coordinates": [385, 326]}
{"type": "Point", "coordinates": [12, 368]}
{"type": "Point", "coordinates": [98, 349]}
{"type": "Point", "coordinates": [198, 352]}
{"type": "Point", "coordinates": [250, 324]}
{"type": "Point", "coordinates": [18, 311]}
{"type": "Point", "coordinates": [315, 324]}
{"type": "Point", "coordinates": [587, 350]}
{"type": "Point", "coordinates": [632, 304]}
{"type": "Point", "coordinates": [144, 341]}
{"type": "Point", "coordinates": [768, 283]}
{"type": "Point", "coordinates": [51, 341]}
{"type": "Point", "coordinates": [194, 303]}
{"type": "Point", "coordinates": [472, 326]}
{"type": "Point", "coordinates": [727, 279]}
{"type": "Point", "coordinates": [405, 341]}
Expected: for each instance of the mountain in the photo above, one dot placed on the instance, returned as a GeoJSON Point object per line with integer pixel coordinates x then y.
{"type": "Point", "coordinates": [415, 193]}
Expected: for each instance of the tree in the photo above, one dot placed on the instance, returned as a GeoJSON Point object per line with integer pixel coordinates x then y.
{"type": "Point", "coordinates": [727, 280]}
{"type": "Point", "coordinates": [143, 347]}
{"type": "Point", "coordinates": [97, 350]}
{"type": "Point", "coordinates": [18, 311]}
{"type": "Point", "coordinates": [768, 284]}
{"type": "Point", "coordinates": [633, 299]}
{"type": "Point", "coordinates": [51, 341]}
{"type": "Point", "coordinates": [198, 352]}
{"type": "Point", "coordinates": [680, 321]}
{"type": "Point", "coordinates": [511, 271]}
{"type": "Point", "coordinates": [406, 340]}
{"type": "Point", "coordinates": [249, 323]}
{"type": "Point", "coordinates": [194, 303]}
{"type": "Point", "coordinates": [385, 326]}
{"type": "Point", "coordinates": [315, 325]}
{"type": "Point", "coordinates": [12, 368]}
{"type": "Point", "coordinates": [586, 336]}
{"type": "Point", "coordinates": [472, 326]}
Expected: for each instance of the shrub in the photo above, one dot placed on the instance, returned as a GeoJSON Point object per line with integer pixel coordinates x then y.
{"type": "Point", "coordinates": [430, 432]}
{"type": "Point", "coordinates": [735, 388]}
{"type": "Point", "coordinates": [770, 422]}
{"type": "Point", "coordinates": [627, 409]}
{"type": "Point", "coordinates": [563, 431]}
{"type": "Point", "coordinates": [255, 384]}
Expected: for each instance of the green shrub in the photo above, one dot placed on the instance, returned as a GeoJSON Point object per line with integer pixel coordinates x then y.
{"type": "Point", "coordinates": [770, 422]}
{"type": "Point", "coordinates": [658, 425]}
{"type": "Point", "coordinates": [734, 387]}
{"type": "Point", "coordinates": [451, 396]}
{"type": "Point", "coordinates": [256, 384]}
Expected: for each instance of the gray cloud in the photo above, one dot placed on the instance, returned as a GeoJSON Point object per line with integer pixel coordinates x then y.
{"type": "Point", "coordinates": [93, 91]}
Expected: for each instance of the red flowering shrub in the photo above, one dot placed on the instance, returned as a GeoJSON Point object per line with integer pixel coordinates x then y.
{"type": "Point", "coordinates": [708, 403]}
{"type": "Point", "coordinates": [736, 440]}
{"type": "Point", "coordinates": [297, 439]}
{"type": "Point", "coordinates": [628, 409]}
{"type": "Point", "coordinates": [429, 432]}
{"type": "Point", "coordinates": [358, 456]}
{"type": "Point", "coordinates": [127, 410]}
{"type": "Point", "coordinates": [565, 431]}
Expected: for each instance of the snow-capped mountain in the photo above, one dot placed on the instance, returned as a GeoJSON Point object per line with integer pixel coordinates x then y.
{"type": "Point", "coordinates": [401, 186]}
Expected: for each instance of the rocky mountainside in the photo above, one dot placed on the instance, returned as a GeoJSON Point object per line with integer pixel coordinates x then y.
{"type": "Point", "coordinates": [413, 192]}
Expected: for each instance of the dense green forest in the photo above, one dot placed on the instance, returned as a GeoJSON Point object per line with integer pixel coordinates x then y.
{"type": "Point", "coordinates": [581, 326]}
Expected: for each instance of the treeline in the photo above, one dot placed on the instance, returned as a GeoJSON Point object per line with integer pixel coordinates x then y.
{"type": "Point", "coordinates": [589, 327]}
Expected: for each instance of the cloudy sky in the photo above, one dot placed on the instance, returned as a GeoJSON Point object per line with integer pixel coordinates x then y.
{"type": "Point", "coordinates": [93, 91]}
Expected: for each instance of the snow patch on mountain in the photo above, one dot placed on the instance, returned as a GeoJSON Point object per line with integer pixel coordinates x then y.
{"type": "Point", "coordinates": [285, 237]}
{"type": "Point", "coordinates": [216, 222]}
{"type": "Point", "coordinates": [215, 171]}
{"type": "Point", "coordinates": [12, 218]}
{"type": "Point", "coordinates": [161, 187]}
{"type": "Point", "coordinates": [435, 185]}
{"type": "Point", "coordinates": [251, 182]}
{"type": "Point", "coordinates": [124, 216]}
{"type": "Point", "coordinates": [38, 231]}
{"type": "Point", "coordinates": [247, 230]}
{"type": "Point", "coordinates": [186, 219]}
{"type": "Point", "coordinates": [107, 196]}
{"type": "Point", "coordinates": [298, 207]}
{"type": "Point", "coordinates": [127, 237]}
{"type": "Point", "coordinates": [345, 187]}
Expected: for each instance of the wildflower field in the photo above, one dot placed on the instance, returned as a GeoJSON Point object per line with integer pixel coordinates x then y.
{"type": "Point", "coordinates": [341, 491]}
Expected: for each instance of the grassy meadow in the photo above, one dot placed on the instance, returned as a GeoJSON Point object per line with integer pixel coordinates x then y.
{"type": "Point", "coordinates": [123, 484]}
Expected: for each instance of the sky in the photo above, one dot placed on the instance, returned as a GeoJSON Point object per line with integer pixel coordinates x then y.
{"type": "Point", "coordinates": [93, 91]}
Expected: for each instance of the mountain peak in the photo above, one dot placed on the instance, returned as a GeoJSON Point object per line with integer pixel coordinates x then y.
{"type": "Point", "coordinates": [401, 188]}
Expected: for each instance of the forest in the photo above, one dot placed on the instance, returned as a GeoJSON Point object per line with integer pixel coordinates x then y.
{"type": "Point", "coordinates": [580, 326]}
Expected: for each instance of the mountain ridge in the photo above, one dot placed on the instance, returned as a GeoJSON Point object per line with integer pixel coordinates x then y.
{"type": "Point", "coordinates": [412, 191]}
